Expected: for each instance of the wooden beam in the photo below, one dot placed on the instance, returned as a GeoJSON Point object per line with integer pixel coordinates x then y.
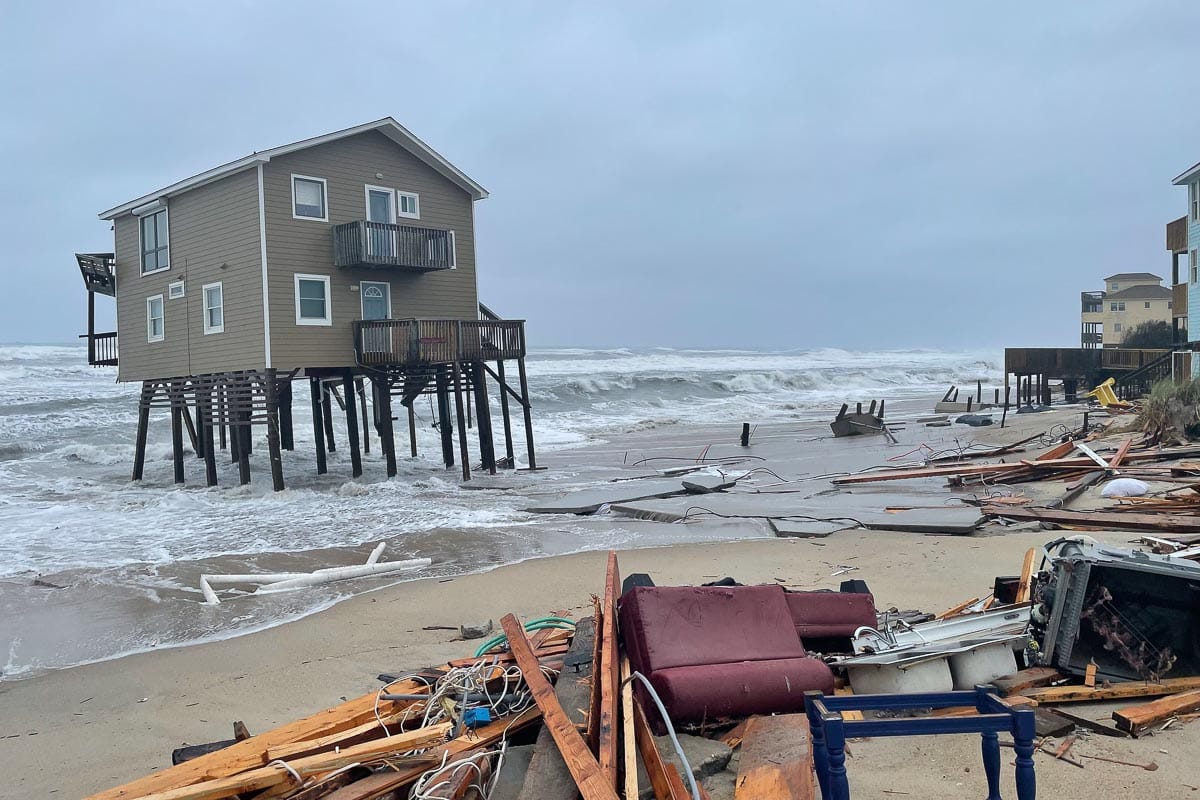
{"type": "Point", "coordinates": [610, 674]}
{"type": "Point", "coordinates": [318, 413]}
{"type": "Point", "coordinates": [628, 737]}
{"type": "Point", "coordinates": [1032, 678]}
{"type": "Point", "coordinates": [1025, 586]}
{"type": "Point", "coordinates": [1118, 691]}
{"type": "Point", "coordinates": [1137, 719]}
{"type": "Point", "coordinates": [963, 469]}
{"type": "Point", "coordinates": [1121, 453]}
{"type": "Point", "coordinates": [582, 764]}
{"type": "Point", "coordinates": [776, 760]}
{"type": "Point", "coordinates": [1167, 523]}
{"type": "Point", "coordinates": [351, 409]}
{"type": "Point", "coordinates": [664, 778]}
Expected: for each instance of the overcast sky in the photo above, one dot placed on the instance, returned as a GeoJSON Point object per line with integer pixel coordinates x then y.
{"type": "Point", "coordinates": [773, 175]}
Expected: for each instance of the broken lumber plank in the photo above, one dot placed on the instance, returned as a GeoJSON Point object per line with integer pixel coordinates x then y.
{"type": "Point", "coordinates": [580, 761]}
{"type": "Point", "coordinates": [1025, 585]}
{"type": "Point", "coordinates": [628, 735]}
{"type": "Point", "coordinates": [309, 746]}
{"type": "Point", "coordinates": [776, 760]}
{"type": "Point", "coordinates": [1099, 519]}
{"type": "Point", "coordinates": [958, 609]}
{"type": "Point", "coordinates": [547, 777]}
{"type": "Point", "coordinates": [1117, 691]}
{"type": "Point", "coordinates": [609, 676]}
{"type": "Point", "coordinates": [592, 732]}
{"type": "Point", "coordinates": [942, 472]}
{"type": "Point", "coordinates": [1122, 451]}
{"type": "Point", "coordinates": [1031, 678]}
{"type": "Point", "coordinates": [277, 773]}
{"type": "Point", "coordinates": [1090, 453]}
{"type": "Point", "coordinates": [664, 778]}
{"type": "Point", "coordinates": [252, 752]}
{"type": "Point", "coordinates": [1136, 719]}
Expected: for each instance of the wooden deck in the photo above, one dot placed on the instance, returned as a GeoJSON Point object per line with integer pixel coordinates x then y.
{"type": "Point", "coordinates": [414, 342]}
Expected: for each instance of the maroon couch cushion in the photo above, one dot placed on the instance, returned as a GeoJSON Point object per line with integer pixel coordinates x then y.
{"type": "Point", "coordinates": [682, 626]}
{"type": "Point", "coordinates": [829, 614]}
{"type": "Point", "coordinates": [693, 694]}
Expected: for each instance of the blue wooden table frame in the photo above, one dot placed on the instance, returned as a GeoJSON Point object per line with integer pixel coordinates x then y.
{"type": "Point", "coordinates": [829, 732]}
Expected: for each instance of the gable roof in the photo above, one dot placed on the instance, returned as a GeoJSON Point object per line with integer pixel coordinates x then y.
{"type": "Point", "coordinates": [387, 126]}
{"type": "Point", "coordinates": [1134, 276]}
{"type": "Point", "coordinates": [1141, 293]}
{"type": "Point", "coordinates": [1186, 175]}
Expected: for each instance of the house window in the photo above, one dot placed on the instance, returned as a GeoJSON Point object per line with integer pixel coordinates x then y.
{"type": "Point", "coordinates": [1117, 306]}
{"type": "Point", "coordinates": [1192, 256]}
{"type": "Point", "coordinates": [1147, 304]}
{"type": "Point", "coordinates": [1116, 327]}
{"type": "Point", "coordinates": [156, 324]}
{"type": "Point", "coordinates": [408, 205]}
{"type": "Point", "coordinates": [175, 290]}
{"type": "Point", "coordinates": [312, 300]}
{"type": "Point", "coordinates": [155, 252]}
{"type": "Point", "coordinates": [309, 198]}
{"type": "Point", "coordinates": [214, 308]}
{"type": "Point", "coordinates": [1114, 287]}
{"type": "Point", "coordinates": [1194, 200]}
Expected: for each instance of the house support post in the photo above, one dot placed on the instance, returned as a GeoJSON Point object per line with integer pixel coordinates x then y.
{"type": "Point", "coordinates": [270, 384]}
{"type": "Point", "coordinates": [314, 386]}
{"type": "Point", "coordinates": [352, 424]}
{"type": "Point", "coordinates": [412, 429]}
{"type": "Point", "coordinates": [245, 409]}
{"type": "Point", "coordinates": [205, 416]}
{"type": "Point", "coordinates": [176, 429]}
{"type": "Point", "coordinates": [287, 438]}
{"type": "Point", "coordinates": [445, 427]}
{"type": "Point", "coordinates": [360, 389]}
{"type": "Point", "coordinates": [229, 403]}
{"type": "Point", "coordinates": [91, 337]}
{"type": "Point", "coordinates": [327, 417]}
{"type": "Point", "coordinates": [461, 413]}
{"type": "Point", "coordinates": [487, 447]}
{"type": "Point", "coordinates": [383, 413]}
{"type": "Point", "coordinates": [193, 434]}
{"type": "Point", "coordinates": [139, 446]}
{"type": "Point", "coordinates": [506, 416]}
{"type": "Point", "coordinates": [525, 406]}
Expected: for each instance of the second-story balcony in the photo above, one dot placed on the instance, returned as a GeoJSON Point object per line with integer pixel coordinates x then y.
{"type": "Point", "coordinates": [1092, 302]}
{"type": "Point", "coordinates": [389, 246]}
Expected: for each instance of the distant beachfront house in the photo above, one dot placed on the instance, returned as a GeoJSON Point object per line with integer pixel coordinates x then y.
{"type": "Point", "coordinates": [340, 259]}
{"type": "Point", "coordinates": [1128, 300]}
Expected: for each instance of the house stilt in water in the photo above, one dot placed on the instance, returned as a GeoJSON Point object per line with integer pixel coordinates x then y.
{"type": "Point", "coordinates": [340, 269]}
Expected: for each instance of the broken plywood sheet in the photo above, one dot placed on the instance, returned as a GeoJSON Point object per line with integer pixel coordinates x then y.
{"type": "Point", "coordinates": [807, 529]}
{"type": "Point", "coordinates": [588, 501]}
{"type": "Point", "coordinates": [910, 514]}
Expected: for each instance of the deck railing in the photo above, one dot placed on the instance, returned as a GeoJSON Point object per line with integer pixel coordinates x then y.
{"type": "Point", "coordinates": [1177, 235]}
{"type": "Point", "coordinates": [381, 244]}
{"type": "Point", "coordinates": [404, 342]}
{"type": "Point", "coordinates": [1121, 358]}
{"type": "Point", "coordinates": [1179, 300]}
{"type": "Point", "coordinates": [102, 349]}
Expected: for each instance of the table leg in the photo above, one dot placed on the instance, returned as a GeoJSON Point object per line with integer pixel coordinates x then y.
{"type": "Point", "coordinates": [835, 743]}
{"type": "Point", "coordinates": [991, 763]}
{"type": "Point", "coordinates": [816, 732]}
{"type": "Point", "coordinates": [1023, 735]}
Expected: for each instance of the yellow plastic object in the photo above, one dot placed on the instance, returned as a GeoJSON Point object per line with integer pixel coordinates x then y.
{"type": "Point", "coordinates": [1106, 397]}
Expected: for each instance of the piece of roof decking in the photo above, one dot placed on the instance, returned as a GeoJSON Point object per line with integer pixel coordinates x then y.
{"type": "Point", "coordinates": [387, 126]}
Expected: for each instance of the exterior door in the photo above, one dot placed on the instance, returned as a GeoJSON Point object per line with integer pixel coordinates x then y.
{"type": "Point", "coordinates": [381, 208]}
{"type": "Point", "coordinates": [376, 305]}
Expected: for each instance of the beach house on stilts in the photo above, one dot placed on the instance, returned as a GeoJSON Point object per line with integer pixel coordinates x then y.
{"type": "Point", "coordinates": [339, 261]}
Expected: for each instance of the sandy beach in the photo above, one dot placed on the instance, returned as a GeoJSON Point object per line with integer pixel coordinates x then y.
{"type": "Point", "coordinates": [120, 719]}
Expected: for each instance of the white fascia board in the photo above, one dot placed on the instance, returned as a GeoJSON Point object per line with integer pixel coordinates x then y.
{"type": "Point", "coordinates": [215, 174]}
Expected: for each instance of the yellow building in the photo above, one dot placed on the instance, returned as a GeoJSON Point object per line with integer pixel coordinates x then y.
{"type": "Point", "coordinates": [1128, 300]}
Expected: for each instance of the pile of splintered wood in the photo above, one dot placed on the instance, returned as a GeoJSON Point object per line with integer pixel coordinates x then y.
{"type": "Point", "coordinates": [412, 739]}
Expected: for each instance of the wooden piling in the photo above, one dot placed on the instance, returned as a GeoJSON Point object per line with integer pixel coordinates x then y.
{"type": "Point", "coordinates": [352, 424]}
{"type": "Point", "coordinates": [460, 412]}
{"type": "Point", "coordinates": [244, 406]}
{"type": "Point", "coordinates": [528, 413]}
{"type": "Point", "coordinates": [746, 432]}
{"type": "Point", "coordinates": [383, 412]}
{"type": "Point", "coordinates": [193, 435]}
{"type": "Point", "coordinates": [412, 429]}
{"type": "Point", "coordinates": [327, 418]}
{"type": "Point", "coordinates": [271, 389]}
{"type": "Point", "coordinates": [504, 413]}
{"type": "Point", "coordinates": [176, 430]}
{"type": "Point", "coordinates": [143, 423]}
{"type": "Point", "coordinates": [445, 427]}
{"type": "Point", "coordinates": [204, 414]}
{"type": "Point", "coordinates": [314, 387]}
{"type": "Point", "coordinates": [287, 437]}
{"type": "Point", "coordinates": [361, 391]}
{"type": "Point", "coordinates": [487, 446]}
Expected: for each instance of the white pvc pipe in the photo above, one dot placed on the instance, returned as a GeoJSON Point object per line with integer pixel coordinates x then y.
{"type": "Point", "coordinates": [376, 553]}
{"type": "Point", "coordinates": [342, 573]}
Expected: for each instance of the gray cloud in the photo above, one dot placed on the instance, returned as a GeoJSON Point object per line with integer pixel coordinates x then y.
{"type": "Point", "coordinates": [873, 174]}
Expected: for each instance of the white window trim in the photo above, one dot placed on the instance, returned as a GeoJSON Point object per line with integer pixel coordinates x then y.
{"type": "Point", "coordinates": [416, 201]}
{"type": "Point", "coordinates": [362, 297]}
{"type": "Point", "coordinates": [209, 329]}
{"type": "Point", "coordinates": [328, 320]}
{"type": "Point", "coordinates": [172, 286]}
{"type": "Point", "coordinates": [150, 337]}
{"type": "Point", "coordinates": [453, 251]}
{"type": "Point", "coordinates": [367, 200]}
{"type": "Point", "coordinates": [141, 245]}
{"type": "Point", "coordinates": [324, 197]}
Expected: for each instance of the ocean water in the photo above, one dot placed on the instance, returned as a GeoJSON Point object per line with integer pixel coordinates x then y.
{"type": "Point", "coordinates": [93, 566]}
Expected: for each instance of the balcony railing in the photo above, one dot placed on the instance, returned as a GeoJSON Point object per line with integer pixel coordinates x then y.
{"type": "Point", "coordinates": [1179, 300]}
{"type": "Point", "coordinates": [1177, 235]}
{"type": "Point", "coordinates": [102, 349]}
{"type": "Point", "coordinates": [381, 244]}
{"type": "Point", "coordinates": [405, 342]}
{"type": "Point", "coordinates": [1092, 302]}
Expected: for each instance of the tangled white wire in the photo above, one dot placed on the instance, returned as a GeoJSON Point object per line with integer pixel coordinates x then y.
{"type": "Point", "coordinates": [472, 680]}
{"type": "Point", "coordinates": [424, 788]}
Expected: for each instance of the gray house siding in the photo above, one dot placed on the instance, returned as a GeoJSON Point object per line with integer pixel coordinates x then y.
{"type": "Point", "coordinates": [214, 237]}
{"type": "Point", "coordinates": [306, 246]}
